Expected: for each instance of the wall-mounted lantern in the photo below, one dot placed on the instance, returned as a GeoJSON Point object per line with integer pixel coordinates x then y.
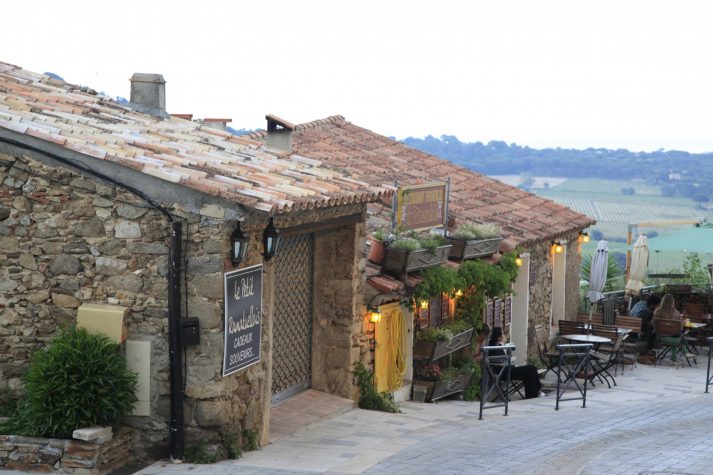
{"type": "Point", "coordinates": [557, 247]}
{"type": "Point", "coordinates": [238, 245]}
{"type": "Point", "coordinates": [585, 236]}
{"type": "Point", "coordinates": [375, 315]}
{"type": "Point", "coordinates": [518, 260]}
{"type": "Point", "coordinates": [270, 241]}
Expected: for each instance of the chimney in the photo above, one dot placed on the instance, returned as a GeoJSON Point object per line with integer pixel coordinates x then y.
{"type": "Point", "coordinates": [279, 133]}
{"type": "Point", "coordinates": [220, 124]}
{"type": "Point", "coordinates": [148, 94]}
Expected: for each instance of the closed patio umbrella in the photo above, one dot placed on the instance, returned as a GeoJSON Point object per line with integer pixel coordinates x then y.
{"type": "Point", "coordinates": [639, 265]}
{"type": "Point", "coordinates": [598, 272]}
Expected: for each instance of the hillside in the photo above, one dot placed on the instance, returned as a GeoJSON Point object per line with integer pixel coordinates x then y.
{"type": "Point", "coordinates": [677, 173]}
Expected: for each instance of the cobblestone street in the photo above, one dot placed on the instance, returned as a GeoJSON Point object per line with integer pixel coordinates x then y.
{"type": "Point", "coordinates": [658, 420]}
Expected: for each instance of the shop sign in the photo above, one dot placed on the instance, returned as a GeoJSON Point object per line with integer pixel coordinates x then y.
{"type": "Point", "coordinates": [243, 318]}
{"type": "Point", "coordinates": [421, 206]}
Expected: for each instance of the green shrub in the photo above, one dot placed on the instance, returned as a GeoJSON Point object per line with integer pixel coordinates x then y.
{"type": "Point", "coordinates": [198, 453]}
{"type": "Point", "coordinates": [369, 397]}
{"type": "Point", "coordinates": [250, 440]}
{"type": "Point", "coordinates": [435, 334]}
{"type": "Point", "coordinates": [79, 380]}
{"type": "Point", "coordinates": [380, 235]}
{"type": "Point", "coordinates": [8, 401]}
{"type": "Point", "coordinates": [405, 244]}
{"type": "Point", "coordinates": [232, 447]}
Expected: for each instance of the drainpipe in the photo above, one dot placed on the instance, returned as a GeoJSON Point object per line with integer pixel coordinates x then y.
{"type": "Point", "coordinates": [174, 343]}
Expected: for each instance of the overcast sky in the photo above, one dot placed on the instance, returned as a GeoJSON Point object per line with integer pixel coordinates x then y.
{"type": "Point", "coordinates": [630, 74]}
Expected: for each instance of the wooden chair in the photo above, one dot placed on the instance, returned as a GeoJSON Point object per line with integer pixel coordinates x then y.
{"type": "Point", "coordinates": [668, 337]}
{"type": "Point", "coordinates": [584, 318]}
{"type": "Point", "coordinates": [569, 327]}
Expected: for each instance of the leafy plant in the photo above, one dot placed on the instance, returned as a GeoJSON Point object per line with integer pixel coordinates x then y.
{"type": "Point", "coordinates": [697, 272]}
{"type": "Point", "coordinates": [614, 272]}
{"type": "Point", "coordinates": [431, 242]}
{"type": "Point", "coordinates": [380, 235]}
{"type": "Point", "coordinates": [79, 380]}
{"type": "Point", "coordinates": [435, 334]}
{"type": "Point", "coordinates": [405, 244]}
{"type": "Point", "coordinates": [8, 401]}
{"type": "Point", "coordinates": [430, 372]}
{"type": "Point", "coordinates": [468, 231]}
{"type": "Point", "coordinates": [232, 447]}
{"type": "Point", "coordinates": [437, 281]}
{"type": "Point", "coordinates": [198, 453]}
{"type": "Point", "coordinates": [250, 440]}
{"type": "Point", "coordinates": [369, 397]}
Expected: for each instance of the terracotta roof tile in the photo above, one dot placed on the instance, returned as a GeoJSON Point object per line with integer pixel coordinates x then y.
{"type": "Point", "coordinates": [377, 159]}
{"type": "Point", "coordinates": [179, 151]}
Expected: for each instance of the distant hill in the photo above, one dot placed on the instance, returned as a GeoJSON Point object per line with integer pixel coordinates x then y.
{"type": "Point", "coordinates": [678, 173]}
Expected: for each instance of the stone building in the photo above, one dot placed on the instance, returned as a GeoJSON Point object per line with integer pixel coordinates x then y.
{"type": "Point", "coordinates": [548, 283]}
{"type": "Point", "coordinates": [93, 187]}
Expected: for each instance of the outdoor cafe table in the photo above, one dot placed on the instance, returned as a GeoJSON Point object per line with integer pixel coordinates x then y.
{"type": "Point", "coordinates": [620, 330]}
{"type": "Point", "coordinates": [596, 340]}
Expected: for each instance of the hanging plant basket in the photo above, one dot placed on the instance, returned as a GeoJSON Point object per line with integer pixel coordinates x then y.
{"type": "Point", "coordinates": [441, 389]}
{"type": "Point", "coordinates": [402, 262]}
{"type": "Point", "coordinates": [472, 248]}
{"type": "Point", "coordinates": [432, 350]}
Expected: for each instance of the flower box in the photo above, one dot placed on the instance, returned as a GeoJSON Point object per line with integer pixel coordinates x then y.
{"type": "Point", "coordinates": [440, 389]}
{"type": "Point", "coordinates": [402, 262]}
{"type": "Point", "coordinates": [473, 247]}
{"type": "Point", "coordinates": [432, 350]}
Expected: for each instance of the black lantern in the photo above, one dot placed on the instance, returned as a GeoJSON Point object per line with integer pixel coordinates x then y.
{"type": "Point", "coordinates": [238, 246]}
{"type": "Point", "coordinates": [270, 240]}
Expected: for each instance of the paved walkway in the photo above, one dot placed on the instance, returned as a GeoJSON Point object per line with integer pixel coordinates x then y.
{"type": "Point", "coordinates": [658, 420]}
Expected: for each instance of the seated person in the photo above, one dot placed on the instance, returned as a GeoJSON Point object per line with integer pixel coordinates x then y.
{"type": "Point", "coordinates": [667, 311]}
{"type": "Point", "coordinates": [526, 373]}
{"type": "Point", "coordinates": [644, 309]}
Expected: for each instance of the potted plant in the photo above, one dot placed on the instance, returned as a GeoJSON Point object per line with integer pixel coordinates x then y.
{"type": "Point", "coordinates": [408, 253]}
{"type": "Point", "coordinates": [376, 249]}
{"type": "Point", "coordinates": [474, 240]}
{"type": "Point", "coordinates": [438, 383]}
{"type": "Point", "coordinates": [452, 380]}
{"type": "Point", "coordinates": [434, 342]}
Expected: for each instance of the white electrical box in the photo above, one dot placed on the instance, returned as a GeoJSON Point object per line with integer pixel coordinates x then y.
{"type": "Point", "coordinates": [109, 320]}
{"type": "Point", "coordinates": [138, 359]}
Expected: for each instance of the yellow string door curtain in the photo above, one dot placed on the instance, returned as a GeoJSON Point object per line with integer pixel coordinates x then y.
{"type": "Point", "coordinates": [390, 351]}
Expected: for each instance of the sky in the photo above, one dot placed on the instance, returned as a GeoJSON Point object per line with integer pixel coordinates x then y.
{"type": "Point", "coordinates": [617, 74]}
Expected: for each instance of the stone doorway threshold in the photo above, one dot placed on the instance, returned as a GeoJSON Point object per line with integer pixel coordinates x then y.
{"type": "Point", "coordinates": [304, 409]}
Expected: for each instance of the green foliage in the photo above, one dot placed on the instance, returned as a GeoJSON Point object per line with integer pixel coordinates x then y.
{"type": "Point", "coordinates": [409, 241]}
{"type": "Point", "coordinates": [453, 372]}
{"type": "Point", "coordinates": [380, 235]}
{"type": "Point", "coordinates": [697, 272]}
{"type": "Point", "coordinates": [444, 332]}
{"type": "Point", "coordinates": [467, 363]}
{"type": "Point", "coordinates": [8, 401]}
{"type": "Point", "coordinates": [468, 231]}
{"type": "Point", "coordinates": [437, 281]}
{"type": "Point", "coordinates": [614, 271]}
{"type": "Point", "coordinates": [232, 447]}
{"type": "Point", "coordinates": [405, 244]}
{"type": "Point", "coordinates": [507, 263]}
{"type": "Point", "coordinates": [198, 453]}
{"type": "Point", "coordinates": [369, 397]}
{"type": "Point", "coordinates": [250, 440]}
{"type": "Point", "coordinates": [79, 380]}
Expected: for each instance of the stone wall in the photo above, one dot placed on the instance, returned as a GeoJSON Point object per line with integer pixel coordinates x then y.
{"type": "Point", "coordinates": [339, 285]}
{"type": "Point", "coordinates": [33, 454]}
{"type": "Point", "coordinates": [541, 287]}
{"type": "Point", "coordinates": [72, 239]}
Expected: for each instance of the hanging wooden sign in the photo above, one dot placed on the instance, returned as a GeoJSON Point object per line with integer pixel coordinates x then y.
{"type": "Point", "coordinates": [243, 318]}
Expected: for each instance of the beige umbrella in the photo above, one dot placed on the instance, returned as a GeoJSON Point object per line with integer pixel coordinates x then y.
{"type": "Point", "coordinates": [639, 265]}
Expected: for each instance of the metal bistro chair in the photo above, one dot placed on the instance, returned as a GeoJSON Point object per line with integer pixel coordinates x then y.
{"type": "Point", "coordinates": [496, 368]}
{"type": "Point", "coordinates": [573, 360]}
{"type": "Point", "coordinates": [709, 340]}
